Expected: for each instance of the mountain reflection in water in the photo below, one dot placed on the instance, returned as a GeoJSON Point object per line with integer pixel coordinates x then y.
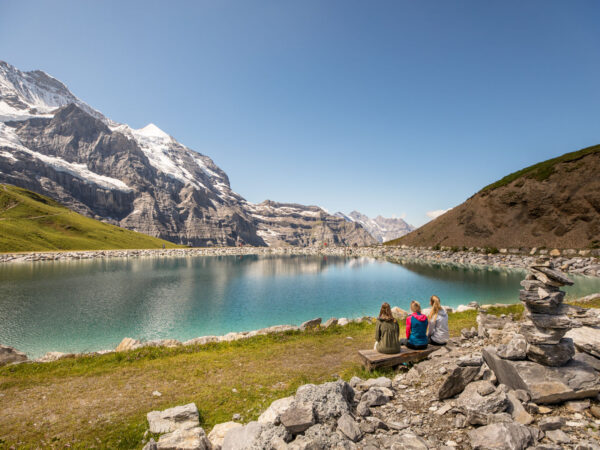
{"type": "Point", "coordinates": [75, 306]}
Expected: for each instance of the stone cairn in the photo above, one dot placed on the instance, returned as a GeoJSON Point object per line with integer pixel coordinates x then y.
{"type": "Point", "coordinates": [546, 321]}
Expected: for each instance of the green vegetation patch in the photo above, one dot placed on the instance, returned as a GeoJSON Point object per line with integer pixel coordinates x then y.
{"type": "Point", "coordinates": [541, 171]}
{"type": "Point", "coordinates": [102, 401]}
{"type": "Point", "coordinates": [33, 222]}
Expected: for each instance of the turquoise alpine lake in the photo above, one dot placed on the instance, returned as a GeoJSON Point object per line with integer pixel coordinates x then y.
{"type": "Point", "coordinates": [80, 306]}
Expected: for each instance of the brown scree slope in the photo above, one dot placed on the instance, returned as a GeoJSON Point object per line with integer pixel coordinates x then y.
{"type": "Point", "coordinates": [554, 204]}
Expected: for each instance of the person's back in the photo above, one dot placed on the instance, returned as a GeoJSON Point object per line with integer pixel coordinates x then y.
{"type": "Point", "coordinates": [386, 335]}
{"type": "Point", "coordinates": [439, 333]}
{"type": "Point", "coordinates": [416, 330]}
{"type": "Point", "coordinates": [387, 331]}
{"type": "Point", "coordinates": [438, 323]}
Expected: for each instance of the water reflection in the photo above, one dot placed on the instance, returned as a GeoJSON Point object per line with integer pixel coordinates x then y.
{"type": "Point", "coordinates": [93, 304]}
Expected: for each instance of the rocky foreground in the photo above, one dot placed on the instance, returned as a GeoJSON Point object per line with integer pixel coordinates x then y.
{"type": "Point", "coordinates": [452, 400]}
{"type": "Point", "coordinates": [506, 385]}
{"type": "Point", "coordinates": [582, 262]}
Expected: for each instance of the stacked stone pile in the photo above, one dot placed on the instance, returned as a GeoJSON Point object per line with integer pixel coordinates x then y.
{"type": "Point", "coordinates": [546, 321]}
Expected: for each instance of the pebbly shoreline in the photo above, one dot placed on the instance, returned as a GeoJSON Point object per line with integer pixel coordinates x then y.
{"type": "Point", "coordinates": [582, 262]}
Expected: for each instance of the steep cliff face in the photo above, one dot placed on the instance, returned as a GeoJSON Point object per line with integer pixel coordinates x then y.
{"type": "Point", "coordinates": [293, 224]}
{"type": "Point", "coordinates": [553, 204]}
{"type": "Point", "coordinates": [141, 179]}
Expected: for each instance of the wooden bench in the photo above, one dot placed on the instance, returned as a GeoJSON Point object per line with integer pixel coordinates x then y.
{"type": "Point", "coordinates": [373, 359]}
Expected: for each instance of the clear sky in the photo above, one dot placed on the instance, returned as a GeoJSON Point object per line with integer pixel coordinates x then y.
{"type": "Point", "coordinates": [388, 107]}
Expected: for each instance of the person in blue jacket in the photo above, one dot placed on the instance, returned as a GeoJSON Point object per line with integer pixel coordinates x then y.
{"type": "Point", "coordinates": [416, 328]}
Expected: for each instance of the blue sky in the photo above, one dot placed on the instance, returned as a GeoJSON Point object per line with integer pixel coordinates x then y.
{"type": "Point", "coordinates": [389, 107]}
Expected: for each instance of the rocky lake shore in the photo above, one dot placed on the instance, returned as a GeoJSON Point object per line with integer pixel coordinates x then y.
{"type": "Point", "coordinates": [465, 395]}
{"type": "Point", "coordinates": [582, 262]}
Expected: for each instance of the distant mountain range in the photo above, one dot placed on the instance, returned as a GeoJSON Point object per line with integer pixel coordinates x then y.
{"type": "Point", "coordinates": [381, 228]}
{"type": "Point", "coordinates": [53, 143]}
{"type": "Point", "coordinates": [552, 204]}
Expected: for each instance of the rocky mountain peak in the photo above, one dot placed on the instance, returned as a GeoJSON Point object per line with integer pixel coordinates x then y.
{"type": "Point", "coordinates": [142, 179]}
{"type": "Point", "coordinates": [381, 228]}
{"type": "Point", "coordinates": [152, 131]}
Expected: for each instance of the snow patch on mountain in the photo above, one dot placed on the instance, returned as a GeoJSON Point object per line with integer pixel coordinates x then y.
{"type": "Point", "coordinates": [381, 228]}
{"type": "Point", "coordinates": [10, 140]}
{"type": "Point", "coordinates": [34, 94]}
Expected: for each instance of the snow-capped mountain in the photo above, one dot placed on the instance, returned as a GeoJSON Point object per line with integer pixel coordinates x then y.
{"type": "Point", "coordinates": [381, 228]}
{"type": "Point", "coordinates": [143, 179]}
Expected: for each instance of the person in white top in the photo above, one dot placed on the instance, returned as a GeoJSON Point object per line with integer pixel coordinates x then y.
{"type": "Point", "coordinates": [437, 332]}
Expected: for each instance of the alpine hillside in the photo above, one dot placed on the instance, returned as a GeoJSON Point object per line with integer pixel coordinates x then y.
{"type": "Point", "coordinates": [32, 222]}
{"type": "Point", "coordinates": [553, 204]}
{"type": "Point", "coordinates": [381, 228]}
{"type": "Point", "coordinates": [54, 144]}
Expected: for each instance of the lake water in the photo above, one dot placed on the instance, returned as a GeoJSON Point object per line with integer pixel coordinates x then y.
{"type": "Point", "coordinates": [90, 305]}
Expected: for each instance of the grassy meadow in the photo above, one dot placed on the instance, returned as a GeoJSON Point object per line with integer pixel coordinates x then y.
{"type": "Point", "coordinates": [32, 222]}
{"type": "Point", "coordinates": [102, 401]}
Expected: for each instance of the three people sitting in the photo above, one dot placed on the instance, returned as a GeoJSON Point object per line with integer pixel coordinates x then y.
{"type": "Point", "coordinates": [420, 329]}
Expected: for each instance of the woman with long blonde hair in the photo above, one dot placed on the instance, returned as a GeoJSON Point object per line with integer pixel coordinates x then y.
{"type": "Point", "coordinates": [387, 331]}
{"type": "Point", "coordinates": [437, 332]}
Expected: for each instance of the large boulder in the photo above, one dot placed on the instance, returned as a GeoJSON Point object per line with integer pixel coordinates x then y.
{"type": "Point", "coordinates": [313, 323]}
{"type": "Point", "coordinates": [179, 417]}
{"type": "Point", "coordinates": [545, 384]}
{"type": "Point", "coordinates": [9, 355]}
{"type": "Point", "coordinates": [482, 398]}
{"type": "Point", "coordinates": [328, 400]}
{"type": "Point", "coordinates": [536, 335]}
{"type": "Point", "coordinates": [410, 441]}
{"type": "Point", "coordinates": [254, 436]}
{"type": "Point", "coordinates": [184, 439]}
{"type": "Point", "coordinates": [321, 436]}
{"type": "Point", "coordinates": [399, 313]}
{"type": "Point", "coordinates": [516, 409]}
{"type": "Point", "coordinates": [128, 344]}
{"type": "Point", "coordinates": [542, 300]}
{"type": "Point", "coordinates": [278, 407]}
{"type": "Point", "coordinates": [348, 426]}
{"type": "Point", "coordinates": [550, 276]}
{"type": "Point", "coordinates": [582, 317]}
{"type": "Point", "coordinates": [501, 436]}
{"type": "Point", "coordinates": [376, 396]}
{"type": "Point", "coordinates": [554, 321]}
{"type": "Point", "coordinates": [586, 339]}
{"type": "Point", "coordinates": [516, 349]}
{"type": "Point", "coordinates": [456, 381]}
{"type": "Point", "coordinates": [217, 434]}
{"type": "Point", "coordinates": [298, 418]}
{"type": "Point", "coordinates": [373, 382]}
{"type": "Point", "coordinates": [588, 359]}
{"type": "Point", "coordinates": [487, 322]}
{"type": "Point", "coordinates": [552, 354]}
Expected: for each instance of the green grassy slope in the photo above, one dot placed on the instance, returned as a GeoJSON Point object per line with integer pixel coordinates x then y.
{"type": "Point", "coordinates": [542, 170]}
{"type": "Point", "coordinates": [32, 222]}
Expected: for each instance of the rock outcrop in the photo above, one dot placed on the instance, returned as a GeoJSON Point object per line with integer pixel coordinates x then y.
{"type": "Point", "coordinates": [9, 355]}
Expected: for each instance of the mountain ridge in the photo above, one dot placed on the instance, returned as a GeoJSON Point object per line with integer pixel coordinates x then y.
{"type": "Point", "coordinates": [381, 228]}
{"type": "Point", "coordinates": [141, 179]}
{"type": "Point", "coordinates": [554, 204]}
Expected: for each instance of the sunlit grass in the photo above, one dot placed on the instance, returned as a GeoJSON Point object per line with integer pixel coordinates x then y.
{"type": "Point", "coordinates": [102, 401]}
{"type": "Point", "coordinates": [32, 222]}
